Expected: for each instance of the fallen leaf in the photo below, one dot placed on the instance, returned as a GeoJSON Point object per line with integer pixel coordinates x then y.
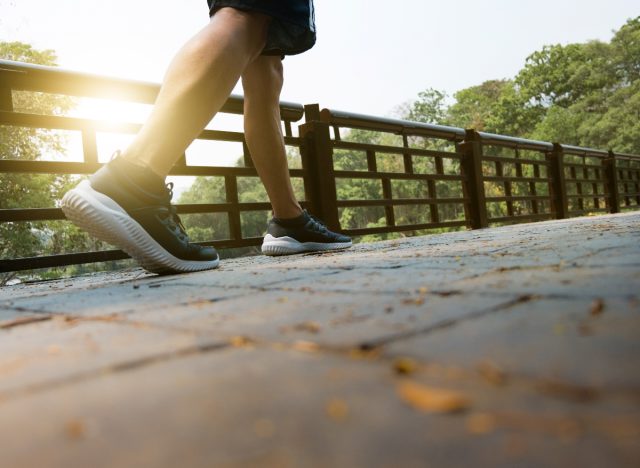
{"type": "Point", "coordinates": [306, 346]}
{"type": "Point", "coordinates": [432, 400]}
{"type": "Point", "coordinates": [405, 365]}
{"type": "Point", "coordinates": [597, 307]}
{"type": "Point", "coordinates": [568, 391]}
{"type": "Point", "coordinates": [241, 341]}
{"type": "Point", "coordinates": [492, 373]}
{"type": "Point", "coordinates": [337, 409]}
{"type": "Point", "coordinates": [311, 327]}
{"type": "Point", "coordinates": [447, 293]}
{"type": "Point", "coordinates": [413, 301]}
{"type": "Point", "coordinates": [480, 423]}
{"type": "Point", "coordinates": [75, 429]}
{"type": "Point", "coordinates": [365, 351]}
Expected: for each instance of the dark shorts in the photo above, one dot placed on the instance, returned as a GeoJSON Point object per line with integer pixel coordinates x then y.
{"type": "Point", "coordinates": [292, 30]}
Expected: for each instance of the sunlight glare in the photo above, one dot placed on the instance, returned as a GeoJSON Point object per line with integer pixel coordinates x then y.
{"type": "Point", "coordinates": [112, 112]}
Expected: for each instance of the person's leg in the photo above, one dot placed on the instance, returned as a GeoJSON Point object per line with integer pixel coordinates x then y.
{"type": "Point", "coordinates": [197, 84]}
{"type": "Point", "coordinates": [291, 230]}
{"type": "Point", "coordinates": [262, 82]}
{"type": "Point", "coordinates": [126, 202]}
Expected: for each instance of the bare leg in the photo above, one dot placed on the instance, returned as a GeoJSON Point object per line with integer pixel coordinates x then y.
{"type": "Point", "coordinates": [197, 84]}
{"type": "Point", "coordinates": [262, 82]}
{"type": "Point", "coordinates": [119, 205]}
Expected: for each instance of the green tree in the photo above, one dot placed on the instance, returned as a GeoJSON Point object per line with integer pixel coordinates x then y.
{"type": "Point", "coordinates": [587, 94]}
{"type": "Point", "coordinates": [474, 106]}
{"type": "Point", "coordinates": [583, 94]}
{"type": "Point", "coordinates": [430, 107]}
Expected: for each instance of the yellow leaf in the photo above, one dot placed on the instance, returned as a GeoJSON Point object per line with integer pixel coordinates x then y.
{"type": "Point", "coordinates": [480, 423]}
{"type": "Point", "coordinates": [241, 341]}
{"type": "Point", "coordinates": [432, 400]}
{"type": "Point", "coordinates": [306, 346]}
{"type": "Point", "coordinates": [337, 409]}
{"type": "Point", "coordinates": [405, 365]}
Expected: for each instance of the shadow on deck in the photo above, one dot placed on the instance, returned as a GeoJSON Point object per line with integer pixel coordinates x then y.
{"type": "Point", "coordinates": [507, 346]}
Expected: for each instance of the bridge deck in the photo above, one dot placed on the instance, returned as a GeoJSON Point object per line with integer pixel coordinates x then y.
{"type": "Point", "coordinates": [509, 346]}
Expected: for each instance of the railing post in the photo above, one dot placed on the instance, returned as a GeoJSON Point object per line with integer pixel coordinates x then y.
{"type": "Point", "coordinates": [613, 189]}
{"type": "Point", "coordinates": [235, 221]}
{"type": "Point", "coordinates": [474, 185]}
{"type": "Point", "coordinates": [6, 99]}
{"type": "Point", "coordinates": [89, 146]}
{"type": "Point", "coordinates": [317, 165]}
{"type": "Point", "coordinates": [558, 184]}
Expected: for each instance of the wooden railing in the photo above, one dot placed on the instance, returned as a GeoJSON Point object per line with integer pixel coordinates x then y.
{"type": "Point", "coordinates": [418, 176]}
{"type": "Point", "coordinates": [494, 179]}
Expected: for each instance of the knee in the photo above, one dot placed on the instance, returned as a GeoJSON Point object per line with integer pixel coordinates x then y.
{"type": "Point", "coordinates": [264, 78]}
{"type": "Point", "coordinates": [275, 75]}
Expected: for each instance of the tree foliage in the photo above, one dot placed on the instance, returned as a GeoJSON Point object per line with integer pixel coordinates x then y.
{"type": "Point", "coordinates": [585, 94]}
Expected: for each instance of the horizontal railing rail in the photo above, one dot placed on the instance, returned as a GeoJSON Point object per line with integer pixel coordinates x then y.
{"type": "Point", "coordinates": [362, 174]}
{"type": "Point", "coordinates": [351, 120]}
{"type": "Point", "coordinates": [19, 76]}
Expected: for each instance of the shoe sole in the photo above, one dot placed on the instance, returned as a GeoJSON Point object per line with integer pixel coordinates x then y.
{"type": "Point", "coordinates": [103, 218]}
{"type": "Point", "coordinates": [285, 245]}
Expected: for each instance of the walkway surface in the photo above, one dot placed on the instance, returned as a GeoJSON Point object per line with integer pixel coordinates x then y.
{"type": "Point", "coordinates": [513, 346]}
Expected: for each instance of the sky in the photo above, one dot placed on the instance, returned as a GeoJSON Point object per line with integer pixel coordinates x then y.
{"type": "Point", "coordinates": [371, 55]}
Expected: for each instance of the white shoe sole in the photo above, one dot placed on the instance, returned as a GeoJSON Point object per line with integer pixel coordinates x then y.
{"type": "Point", "coordinates": [287, 246]}
{"type": "Point", "coordinates": [103, 218]}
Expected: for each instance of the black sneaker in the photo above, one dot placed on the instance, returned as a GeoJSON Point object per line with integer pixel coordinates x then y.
{"type": "Point", "coordinates": [302, 234]}
{"type": "Point", "coordinates": [116, 207]}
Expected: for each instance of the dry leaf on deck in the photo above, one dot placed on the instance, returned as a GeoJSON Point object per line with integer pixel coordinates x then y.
{"type": "Point", "coordinates": [430, 399]}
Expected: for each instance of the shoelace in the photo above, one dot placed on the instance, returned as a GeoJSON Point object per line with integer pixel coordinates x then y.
{"type": "Point", "coordinates": [317, 225]}
{"type": "Point", "coordinates": [173, 217]}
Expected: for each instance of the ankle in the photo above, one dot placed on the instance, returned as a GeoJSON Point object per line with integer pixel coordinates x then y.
{"type": "Point", "coordinates": [140, 174]}
{"type": "Point", "coordinates": [140, 163]}
{"type": "Point", "coordinates": [288, 213]}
